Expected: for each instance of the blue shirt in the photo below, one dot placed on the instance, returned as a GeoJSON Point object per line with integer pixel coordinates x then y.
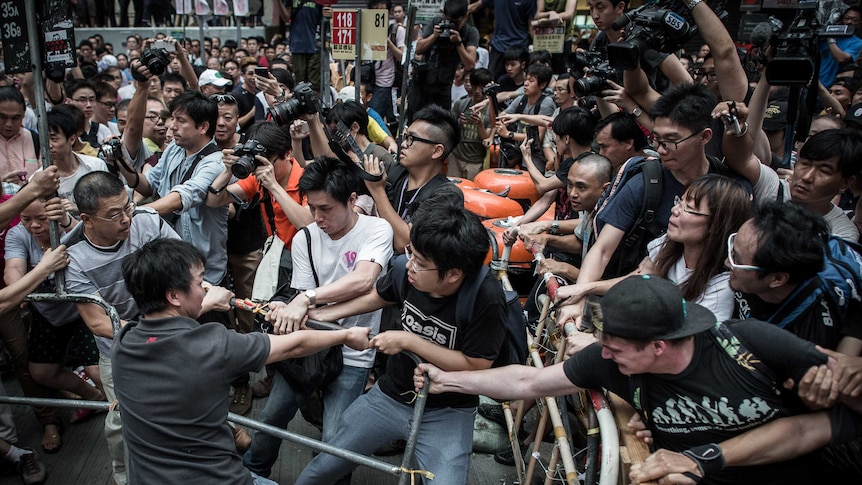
{"type": "Point", "coordinates": [205, 227]}
{"type": "Point", "coordinates": [828, 66]}
{"type": "Point", "coordinates": [511, 22]}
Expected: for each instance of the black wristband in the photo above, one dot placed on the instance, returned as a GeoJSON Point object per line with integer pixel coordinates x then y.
{"type": "Point", "coordinates": [70, 222]}
{"type": "Point", "coordinates": [708, 457]}
{"type": "Point", "coordinates": [213, 191]}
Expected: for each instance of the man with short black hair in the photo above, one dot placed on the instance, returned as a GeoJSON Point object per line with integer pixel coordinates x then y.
{"type": "Point", "coordinates": [775, 259]}
{"type": "Point", "coordinates": [444, 257]}
{"type": "Point", "coordinates": [111, 227]}
{"type": "Point", "coordinates": [416, 180]}
{"type": "Point", "coordinates": [339, 257]}
{"type": "Point", "coordinates": [154, 387]}
{"type": "Point", "coordinates": [181, 179]}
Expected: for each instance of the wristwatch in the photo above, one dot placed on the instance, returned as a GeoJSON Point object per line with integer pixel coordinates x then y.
{"type": "Point", "coordinates": [555, 227]}
{"type": "Point", "coordinates": [511, 135]}
{"type": "Point", "coordinates": [637, 112]}
{"type": "Point", "coordinates": [312, 297]}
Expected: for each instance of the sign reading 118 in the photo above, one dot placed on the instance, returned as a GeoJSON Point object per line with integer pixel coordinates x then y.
{"type": "Point", "coordinates": [344, 19]}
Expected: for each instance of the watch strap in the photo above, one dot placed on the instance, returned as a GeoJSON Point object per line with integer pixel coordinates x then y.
{"type": "Point", "coordinates": [708, 457]}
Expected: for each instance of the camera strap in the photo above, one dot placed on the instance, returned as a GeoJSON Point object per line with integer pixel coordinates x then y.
{"type": "Point", "coordinates": [209, 149]}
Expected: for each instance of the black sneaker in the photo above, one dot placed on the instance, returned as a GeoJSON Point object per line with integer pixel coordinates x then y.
{"type": "Point", "coordinates": [493, 412]}
{"type": "Point", "coordinates": [505, 457]}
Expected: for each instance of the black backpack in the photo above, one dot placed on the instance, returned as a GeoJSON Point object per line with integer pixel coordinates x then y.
{"type": "Point", "coordinates": [514, 349]}
{"type": "Point", "coordinates": [633, 247]}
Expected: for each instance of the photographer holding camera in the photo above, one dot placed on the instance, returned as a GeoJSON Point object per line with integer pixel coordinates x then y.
{"type": "Point", "coordinates": [187, 167]}
{"type": "Point", "coordinates": [442, 43]}
{"type": "Point", "coordinates": [266, 173]}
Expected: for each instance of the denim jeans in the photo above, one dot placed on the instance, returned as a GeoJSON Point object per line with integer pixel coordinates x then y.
{"type": "Point", "coordinates": [443, 446]}
{"type": "Point", "coordinates": [282, 405]}
{"type": "Point", "coordinates": [381, 101]}
{"type": "Point", "coordinates": [259, 480]}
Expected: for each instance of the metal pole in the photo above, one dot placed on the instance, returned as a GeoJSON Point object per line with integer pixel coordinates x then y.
{"type": "Point", "coordinates": [325, 33]}
{"type": "Point", "coordinates": [33, 38]}
{"type": "Point", "coordinates": [405, 81]}
{"type": "Point", "coordinates": [357, 63]}
{"type": "Point", "coordinates": [203, 55]}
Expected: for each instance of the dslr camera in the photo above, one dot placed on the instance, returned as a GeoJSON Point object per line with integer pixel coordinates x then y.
{"type": "Point", "coordinates": [596, 80]}
{"type": "Point", "coordinates": [156, 60]}
{"type": "Point", "coordinates": [111, 149]}
{"type": "Point", "coordinates": [446, 28]}
{"type": "Point", "coordinates": [303, 102]}
{"type": "Point", "coordinates": [246, 164]}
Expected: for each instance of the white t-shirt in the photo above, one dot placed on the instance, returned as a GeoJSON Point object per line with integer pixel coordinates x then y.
{"type": "Point", "coordinates": [840, 225]}
{"type": "Point", "coordinates": [86, 165]}
{"type": "Point", "coordinates": [370, 239]}
{"type": "Point", "coordinates": [717, 298]}
{"type": "Point", "coordinates": [766, 189]}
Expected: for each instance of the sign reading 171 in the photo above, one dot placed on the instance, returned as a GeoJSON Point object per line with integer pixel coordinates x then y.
{"type": "Point", "coordinates": [344, 34]}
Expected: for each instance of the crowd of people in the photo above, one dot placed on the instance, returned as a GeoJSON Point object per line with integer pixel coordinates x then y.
{"type": "Point", "coordinates": [704, 220]}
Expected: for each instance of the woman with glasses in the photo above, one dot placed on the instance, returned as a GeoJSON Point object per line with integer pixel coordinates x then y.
{"type": "Point", "coordinates": [692, 253]}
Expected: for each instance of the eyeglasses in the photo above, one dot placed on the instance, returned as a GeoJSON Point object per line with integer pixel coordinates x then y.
{"type": "Point", "coordinates": [127, 211]}
{"type": "Point", "coordinates": [85, 100]}
{"type": "Point", "coordinates": [408, 250]}
{"type": "Point", "coordinates": [223, 98]}
{"type": "Point", "coordinates": [164, 116]}
{"type": "Point", "coordinates": [700, 73]}
{"type": "Point", "coordinates": [666, 144]}
{"type": "Point", "coordinates": [678, 202]}
{"type": "Point", "coordinates": [409, 138]}
{"type": "Point", "coordinates": [108, 104]}
{"type": "Point", "coordinates": [733, 265]}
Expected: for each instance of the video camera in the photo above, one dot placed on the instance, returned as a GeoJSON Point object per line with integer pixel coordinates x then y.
{"type": "Point", "coordinates": [651, 27]}
{"type": "Point", "coordinates": [247, 162]}
{"type": "Point", "coordinates": [793, 63]}
{"type": "Point", "coordinates": [304, 102]}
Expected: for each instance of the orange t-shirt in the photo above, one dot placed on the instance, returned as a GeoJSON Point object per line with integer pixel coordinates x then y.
{"type": "Point", "coordinates": [283, 226]}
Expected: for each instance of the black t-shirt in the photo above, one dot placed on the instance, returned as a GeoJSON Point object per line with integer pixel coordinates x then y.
{"type": "Point", "coordinates": [507, 84]}
{"type": "Point", "coordinates": [480, 336]}
{"type": "Point", "coordinates": [443, 55]}
{"type": "Point", "coordinates": [818, 323]}
{"type": "Point", "coordinates": [438, 190]}
{"type": "Point", "coordinates": [244, 103]}
{"type": "Point", "coordinates": [715, 398]}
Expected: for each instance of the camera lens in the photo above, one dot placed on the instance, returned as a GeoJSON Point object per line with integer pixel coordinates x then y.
{"type": "Point", "coordinates": [243, 167]}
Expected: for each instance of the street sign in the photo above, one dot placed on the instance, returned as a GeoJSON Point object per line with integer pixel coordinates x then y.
{"type": "Point", "coordinates": [344, 24]}
{"type": "Point", "coordinates": [13, 30]}
{"type": "Point", "coordinates": [375, 31]}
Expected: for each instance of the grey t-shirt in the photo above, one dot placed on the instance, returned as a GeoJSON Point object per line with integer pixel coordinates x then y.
{"type": "Point", "coordinates": [172, 378]}
{"type": "Point", "coordinates": [96, 270]}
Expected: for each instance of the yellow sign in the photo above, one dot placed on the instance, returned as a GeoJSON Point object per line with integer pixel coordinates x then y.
{"type": "Point", "coordinates": [344, 34]}
{"type": "Point", "coordinates": [550, 39]}
{"type": "Point", "coordinates": [375, 30]}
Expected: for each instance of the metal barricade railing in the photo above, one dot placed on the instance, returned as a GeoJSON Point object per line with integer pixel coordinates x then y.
{"type": "Point", "coordinates": [405, 471]}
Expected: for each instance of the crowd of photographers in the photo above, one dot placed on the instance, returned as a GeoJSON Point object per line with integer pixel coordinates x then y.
{"type": "Point", "coordinates": [732, 172]}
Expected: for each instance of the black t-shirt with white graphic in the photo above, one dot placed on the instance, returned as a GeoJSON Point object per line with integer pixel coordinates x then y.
{"type": "Point", "coordinates": [715, 397]}
{"type": "Point", "coordinates": [819, 323]}
{"type": "Point", "coordinates": [481, 336]}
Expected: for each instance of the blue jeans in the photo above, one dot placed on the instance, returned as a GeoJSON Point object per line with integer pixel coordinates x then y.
{"type": "Point", "coordinates": [443, 446]}
{"type": "Point", "coordinates": [259, 480]}
{"type": "Point", "coordinates": [282, 405]}
{"type": "Point", "coordinates": [381, 101]}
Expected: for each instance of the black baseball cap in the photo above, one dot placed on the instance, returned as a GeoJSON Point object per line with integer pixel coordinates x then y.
{"type": "Point", "coordinates": [646, 308]}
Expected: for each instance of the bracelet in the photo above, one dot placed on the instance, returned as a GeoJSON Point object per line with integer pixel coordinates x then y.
{"type": "Point", "coordinates": [213, 190]}
{"type": "Point", "coordinates": [744, 130]}
{"type": "Point", "coordinates": [831, 40]}
{"type": "Point", "coordinates": [708, 458]}
{"type": "Point", "coordinates": [64, 226]}
{"type": "Point", "coordinates": [692, 4]}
